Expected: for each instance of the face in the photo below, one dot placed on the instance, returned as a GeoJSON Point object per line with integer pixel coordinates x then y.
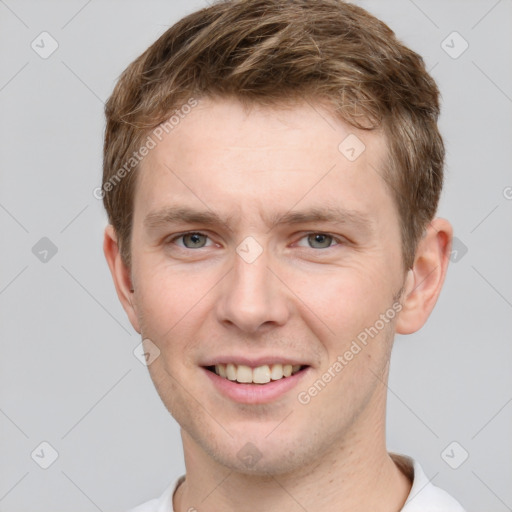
{"type": "Point", "coordinates": [258, 241]}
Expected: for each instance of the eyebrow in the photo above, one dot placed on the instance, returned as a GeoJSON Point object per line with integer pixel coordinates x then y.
{"type": "Point", "coordinates": [334, 215]}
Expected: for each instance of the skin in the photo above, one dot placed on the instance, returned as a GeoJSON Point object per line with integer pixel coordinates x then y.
{"type": "Point", "coordinates": [248, 165]}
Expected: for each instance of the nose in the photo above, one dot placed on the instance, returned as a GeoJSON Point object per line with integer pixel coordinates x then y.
{"type": "Point", "coordinates": [251, 297]}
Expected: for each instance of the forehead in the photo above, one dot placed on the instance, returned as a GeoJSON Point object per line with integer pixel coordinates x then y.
{"type": "Point", "coordinates": [232, 157]}
{"type": "Point", "coordinates": [295, 130]}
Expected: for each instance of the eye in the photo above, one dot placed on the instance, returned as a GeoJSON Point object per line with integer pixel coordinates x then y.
{"type": "Point", "coordinates": [318, 240]}
{"type": "Point", "coordinates": [191, 240]}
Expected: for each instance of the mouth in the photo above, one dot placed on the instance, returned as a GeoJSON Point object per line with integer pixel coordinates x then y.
{"type": "Point", "coordinates": [242, 374]}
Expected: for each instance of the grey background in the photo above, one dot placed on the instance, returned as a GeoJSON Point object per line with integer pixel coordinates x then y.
{"type": "Point", "coordinates": [68, 375]}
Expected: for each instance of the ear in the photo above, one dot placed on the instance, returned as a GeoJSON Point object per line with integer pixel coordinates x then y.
{"type": "Point", "coordinates": [426, 277]}
{"type": "Point", "coordinates": [121, 275]}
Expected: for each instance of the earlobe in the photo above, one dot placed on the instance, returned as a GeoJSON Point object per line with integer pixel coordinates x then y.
{"type": "Point", "coordinates": [425, 279]}
{"type": "Point", "coordinates": [121, 275]}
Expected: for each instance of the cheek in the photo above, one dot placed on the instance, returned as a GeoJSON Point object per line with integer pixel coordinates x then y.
{"type": "Point", "coordinates": [174, 304]}
{"type": "Point", "coordinates": [168, 296]}
{"type": "Point", "coordinates": [344, 300]}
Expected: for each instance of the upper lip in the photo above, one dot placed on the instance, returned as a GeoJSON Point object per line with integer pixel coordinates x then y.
{"type": "Point", "coordinates": [253, 362]}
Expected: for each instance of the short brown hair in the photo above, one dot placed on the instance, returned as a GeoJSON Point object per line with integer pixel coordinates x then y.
{"type": "Point", "coordinates": [272, 52]}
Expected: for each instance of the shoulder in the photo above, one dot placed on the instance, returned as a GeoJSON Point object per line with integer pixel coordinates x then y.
{"type": "Point", "coordinates": [424, 496]}
{"type": "Point", "coordinates": [161, 504]}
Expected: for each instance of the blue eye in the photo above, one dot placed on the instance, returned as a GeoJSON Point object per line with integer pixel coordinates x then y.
{"type": "Point", "coordinates": [319, 240]}
{"type": "Point", "coordinates": [195, 240]}
{"type": "Point", "coordinates": [192, 240]}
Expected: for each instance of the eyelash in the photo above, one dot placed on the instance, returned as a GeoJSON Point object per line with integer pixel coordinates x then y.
{"type": "Point", "coordinates": [334, 239]}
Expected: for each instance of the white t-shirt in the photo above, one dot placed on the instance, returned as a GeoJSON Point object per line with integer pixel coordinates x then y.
{"type": "Point", "coordinates": [424, 496]}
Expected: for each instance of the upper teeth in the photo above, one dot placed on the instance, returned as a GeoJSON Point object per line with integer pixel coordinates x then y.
{"type": "Point", "coordinates": [258, 375]}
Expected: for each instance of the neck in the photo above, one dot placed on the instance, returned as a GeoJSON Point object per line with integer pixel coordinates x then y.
{"type": "Point", "coordinates": [356, 474]}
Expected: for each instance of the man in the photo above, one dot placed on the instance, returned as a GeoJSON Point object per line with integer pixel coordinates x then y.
{"type": "Point", "coordinates": [272, 171]}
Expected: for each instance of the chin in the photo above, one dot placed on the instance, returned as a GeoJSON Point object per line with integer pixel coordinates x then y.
{"type": "Point", "coordinates": [261, 454]}
{"type": "Point", "coordinates": [253, 461]}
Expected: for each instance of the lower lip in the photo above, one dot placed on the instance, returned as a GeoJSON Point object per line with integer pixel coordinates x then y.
{"type": "Point", "coordinates": [255, 393]}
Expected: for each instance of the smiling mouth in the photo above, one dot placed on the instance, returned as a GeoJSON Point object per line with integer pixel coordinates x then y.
{"type": "Point", "coordinates": [264, 374]}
